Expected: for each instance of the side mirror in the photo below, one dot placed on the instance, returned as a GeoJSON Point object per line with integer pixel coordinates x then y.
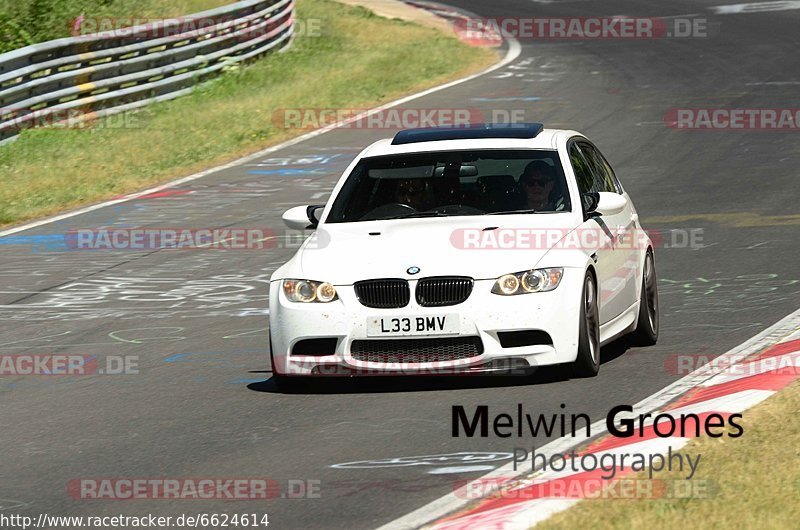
{"type": "Point", "coordinates": [303, 217]}
{"type": "Point", "coordinates": [603, 203]}
{"type": "Point", "coordinates": [590, 201]}
{"type": "Point", "coordinates": [611, 203]}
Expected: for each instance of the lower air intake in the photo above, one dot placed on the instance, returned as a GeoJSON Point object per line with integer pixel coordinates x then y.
{"type": "Point", "coordinates": [416, 350]}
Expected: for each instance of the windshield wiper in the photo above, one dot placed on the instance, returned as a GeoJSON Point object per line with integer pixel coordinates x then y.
{"type": "Point", "coordinates": [419, 214]}
{"type": "Point", "coordinates": [509, 212]}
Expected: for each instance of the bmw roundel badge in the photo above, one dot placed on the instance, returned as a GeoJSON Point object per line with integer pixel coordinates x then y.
{"type": "Point", "coordinates": [412, 270]}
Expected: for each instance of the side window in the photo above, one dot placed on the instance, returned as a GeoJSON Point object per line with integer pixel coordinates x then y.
{"type": "Point", "coordinates": [611, 171]}
{"type": "Point", "coordinates": [583, 172]}
{"type": "Point", "coordinates": [603, 175]}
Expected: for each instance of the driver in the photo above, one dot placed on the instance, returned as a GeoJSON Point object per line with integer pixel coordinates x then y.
{"type": "Point", "coordinates": [537, 183]}
{"type": "Point", "coordinates": [414, 193]}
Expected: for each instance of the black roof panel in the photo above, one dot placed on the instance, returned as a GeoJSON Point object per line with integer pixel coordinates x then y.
{"type": "Point", "coordinates": [469, 132]}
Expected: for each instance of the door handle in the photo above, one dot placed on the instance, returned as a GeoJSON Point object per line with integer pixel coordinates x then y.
{"type": "Point", "coordinates": [620, 235]}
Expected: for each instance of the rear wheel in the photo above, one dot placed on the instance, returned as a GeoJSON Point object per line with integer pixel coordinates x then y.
{"type": "Point", "coordinates": [587, 364]}
{"type": "Point", "coordinates": [646, 333]}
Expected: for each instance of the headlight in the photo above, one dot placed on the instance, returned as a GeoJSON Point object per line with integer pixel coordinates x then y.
{"type": "Point", "coordinates": [309, 291]}
{"type": "Point", "coordinates": [532, 281]}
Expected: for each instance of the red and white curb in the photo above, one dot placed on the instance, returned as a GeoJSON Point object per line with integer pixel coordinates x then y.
{"type": "Point", "coordinates": [468, 28]}
{"type": "Point", "coordinates": [729, 384]}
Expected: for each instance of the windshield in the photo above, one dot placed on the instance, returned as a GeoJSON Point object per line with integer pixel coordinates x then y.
{"type": "Point", "coordinates": [452, 183]}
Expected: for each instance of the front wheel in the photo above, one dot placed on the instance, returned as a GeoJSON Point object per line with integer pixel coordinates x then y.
{"type": "Point", "coordinates": [587, 364]}
{"type": "Point", "coordinates": [646, 333]}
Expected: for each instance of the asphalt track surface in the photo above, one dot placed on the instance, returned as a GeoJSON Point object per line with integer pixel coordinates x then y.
{"type": "Point", "coordinates": [203, 405]}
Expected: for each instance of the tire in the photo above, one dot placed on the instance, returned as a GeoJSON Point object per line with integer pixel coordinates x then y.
{"type": "Point", "coordinates": [587, 364]}
{"type": "Point", "coordinates": [646, 332]}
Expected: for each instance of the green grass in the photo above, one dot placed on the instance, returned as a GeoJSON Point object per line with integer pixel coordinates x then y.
{"type": "Point", "coordinates": [360, 60]}
{"type": "Point", "coordinates": [24, 22]}
{"type": "Point", "coordinates": [756, 481]}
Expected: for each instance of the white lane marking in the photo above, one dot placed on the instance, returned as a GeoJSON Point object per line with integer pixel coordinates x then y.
{"type": "Point", "coordinates": [514, 51]}
{"type": "Point", "coordinates": [756, 7]}
{"type": "Point", "coordinates": [8, 504]}
{"type": "Point", "coordinates": [793, 336]}
{"type": "Point", "coordinates": [459, 469]}
{"type": "Point", "coordinates": [427, 460]}
{"type": "Point", "coordinates": [731, 403]}
{"type": "Point", "coordinates": [787, 364]}
{"type": "Point", "coordinates": [452, 502]}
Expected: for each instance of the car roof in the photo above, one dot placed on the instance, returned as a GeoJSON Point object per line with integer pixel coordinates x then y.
{"type": "Point", "coordinates": [546, 139]}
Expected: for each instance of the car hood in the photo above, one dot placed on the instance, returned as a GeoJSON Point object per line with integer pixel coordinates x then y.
{"type": "Point", "coordinates": [345, 253]}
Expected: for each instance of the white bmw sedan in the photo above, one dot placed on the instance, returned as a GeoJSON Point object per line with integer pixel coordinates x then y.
{"type": "Point", "coordinates": [465, 250]}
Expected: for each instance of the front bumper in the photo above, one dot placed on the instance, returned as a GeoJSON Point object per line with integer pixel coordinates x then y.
{"type": "Point", "coordinates": [484, 315]}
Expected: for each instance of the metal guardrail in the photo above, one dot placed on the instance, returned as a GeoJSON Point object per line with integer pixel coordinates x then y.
{"type": "Point", "coordinates": [110, 72]}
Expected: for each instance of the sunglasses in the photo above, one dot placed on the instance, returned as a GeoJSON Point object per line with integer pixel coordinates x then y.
{"type": "Point", "coordinates": [531, 182]}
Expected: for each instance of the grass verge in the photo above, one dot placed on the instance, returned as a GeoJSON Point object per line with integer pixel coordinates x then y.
{"type": "Point", "coordinates": [24, 22]}
{"type": "Point", "coordinates": [358, 60]}
{"type": "Point", "coordinates": [756, 480]}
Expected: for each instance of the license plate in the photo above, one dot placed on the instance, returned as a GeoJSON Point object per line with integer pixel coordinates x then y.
{"type": "Point", "coordinates": [448, 324]}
